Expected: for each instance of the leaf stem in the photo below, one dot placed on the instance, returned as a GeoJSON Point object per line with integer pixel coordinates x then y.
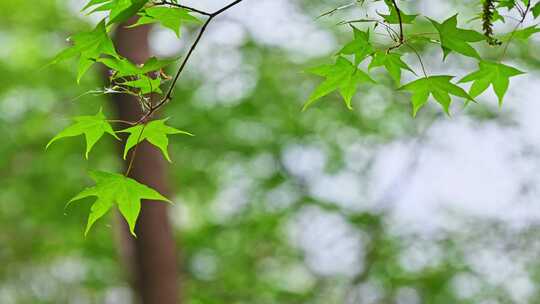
{"type": "Point", "coordinates": [134, 155]}
{"type": "Point", "coordinates": [419, 58]}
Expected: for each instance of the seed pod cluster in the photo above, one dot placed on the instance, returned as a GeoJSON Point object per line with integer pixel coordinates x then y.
{"type": "Point", "coordinates": [488, 12]}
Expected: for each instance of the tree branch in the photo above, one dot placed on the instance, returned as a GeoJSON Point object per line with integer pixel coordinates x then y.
{"type": "Point", "coordinates": [168, 95]}
{"type": "Point", "coordinates": [398, 11]}
{"type": "Point", "coordinates": [518, 25]}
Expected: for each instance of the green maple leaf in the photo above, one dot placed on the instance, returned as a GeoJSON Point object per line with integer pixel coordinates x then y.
{"type": "Point", "coordinates": [125, 9]}
{"type": "Point", "coordinates": [145, 84]}
{"type": "Point", "coordinates": [171, 18]}
{"type": "Point", "coordinates": [88, 46]}
{"type": "Point", "coordinates": [359, 46]}
{"type": "Point", "coordinates": [509, 4]}
{"type": "Point", "coordinates": [392, 62]}
{"type": "Point", "coordinates": [536, 10]}
{"type": "Point", "coordinates": [113, 188]}
{"type": "Point", "coordinates": [93, 3]}
{"type": "Point", "coordinates": [92, 127]}
{"type": "Point", "coordinates": [456, 39]}
{"type": "Point", "coordinates": [155, 132]}
{"type": "Point", "coordinates": [522, 34]}
{"type": "Point", "coordinates": [439, 87]}
{"type": "Point", "coordinates": [342, 76]}
{"type": "Point", "coordinates": [123, 67]}
{"type": "Point", "coordinates": [119, 10]}
{"type": "Point", "coordinates": [491, 73]}
{"type": "Point", "coordinates": [393, 18]}
{"type": "Point", "coordinates": [154, 64]}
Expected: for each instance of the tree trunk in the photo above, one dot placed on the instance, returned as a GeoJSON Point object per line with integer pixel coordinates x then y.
{"type": "Point", "coordinates": [151, 256]}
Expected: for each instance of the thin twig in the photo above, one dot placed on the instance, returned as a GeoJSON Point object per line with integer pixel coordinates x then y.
{"type": "Point", "coordinates": [523, 16]}
{"type": "Point", "coordinates": [370, 20]}
{"type": "Point", "coordinates": [518, 7]}
{"type": "Point", "coordinates": [184, 7]}
{"type": "Point", "coordinates": [122, 121]}
{"type": "Point", "coordinates": [511, 17]}
{"type": "Point", "coordinates": [400, 37]}
{"type": "Point", "coordinates": [168, 95]}
{"type": "Point", "coordinates": [398, 11]}
{"type": "Point", "coordinates": [330, 12]}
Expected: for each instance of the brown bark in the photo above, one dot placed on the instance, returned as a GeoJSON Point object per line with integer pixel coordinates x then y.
{"type": "Point", "coordinates": [151, 255]}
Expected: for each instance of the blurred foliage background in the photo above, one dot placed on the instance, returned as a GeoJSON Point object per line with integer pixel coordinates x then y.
{"type": "Point", "coordinates": [272, 205]}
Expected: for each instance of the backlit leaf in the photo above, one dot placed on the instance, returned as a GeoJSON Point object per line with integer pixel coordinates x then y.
{"type": "Point", "coordinates": [155, 132]}
{"type": "Point", "coordinates": [92, 127]}
{"type": "Point", "coordinates": [89, 46]}
{"type": "Point", "coordinates": [393, 18]}
{"type": "Point", "coordinates": [145, 84]}
{"type": "Point", "coordinates": [522, 34]}
{"type": "Point", "coordinates": [119, 10]}
{"type": "Point", "coordinates": [536, 10]}
{"type": "Point", "coordinates": [491, 73]}
{"type": "Point", "coordinates": [172, 18]}
{"type": "Point", "coordinates": [391, 62]}
{"type": "Point", "coordinates": [456, 39]}
{"type": "Point", "coordinates": [111, 189]}
{"type": "Point", "coordinates": [122, 67]}
{"type": "Point", "coordinates": [342, 76]}
{"type": "Point", "coordinates": [439, 87]}
{"type": "Point", "coordinates": [360, 47]}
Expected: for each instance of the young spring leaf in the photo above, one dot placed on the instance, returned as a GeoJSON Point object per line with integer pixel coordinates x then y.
{"type": "Point", "coordinates": [522, 34]}
{"type": "Point", "coordinates": [155, 132]}
{"type": "Point", "coordinates": [359, 46]}
{"type": "Point", "coordinates": [88, 46]}
{"type": "Point", "coordinates": [439, 87]}
{"type": "Point", "coordinates": [393, 17]}
{"type": "Point", "coordinates": [94, 3]}
{"type": "Point", "coordinates": [508, 4]}
{"type": "Point", "coordinates": [119, 10]}
{"type": "Point", "coordinates": [145, 84]}
{"type": "Point", "coordinates": [391, 62]}
{"type": "Point", "coordinates": [122, 67]}
{"type": "Point", "coordinates": [342, 76]}
{"type": "Point", "coordinates": [154, 64]}
{"type": "Point", "coordinates": [491, 73]}
{"type": "Point", "coordinates": [125, 9]}
{"type": "Point", "coordinates": [456, 39]}
{"type": "Point", "coordinates": [171, 18]}
{"type": "Point", "coordinates": [93, 127]}
{"type": "Point", "coordinates": [536, 10]}
{"type": "Point", "coordinates": [114, 188]}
